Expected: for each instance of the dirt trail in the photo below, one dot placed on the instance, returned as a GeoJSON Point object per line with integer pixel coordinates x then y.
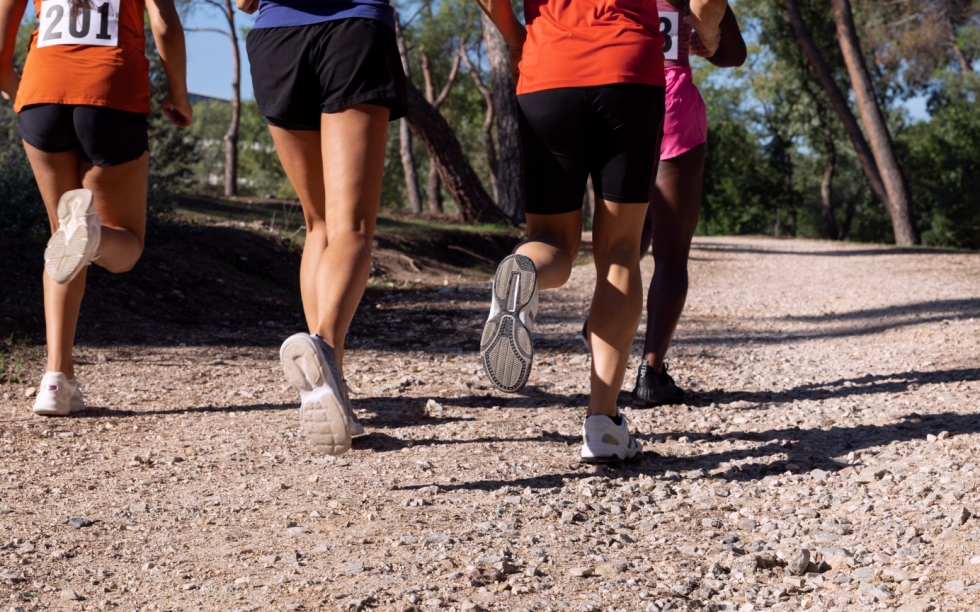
{"type": "Point", "coordinates": [827, 459]}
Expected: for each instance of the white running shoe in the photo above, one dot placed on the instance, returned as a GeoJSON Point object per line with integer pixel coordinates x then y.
{"type": "Point", "coordinates": [73, 246]}
{"type": "Point", "coordinates": [58, 396]}
{"type": "Point", "coordinates": [326, 416]}
{"type": "Point", "coordinates": [506, 350]}
{"type": "Point", "coordinates": [603, 441]}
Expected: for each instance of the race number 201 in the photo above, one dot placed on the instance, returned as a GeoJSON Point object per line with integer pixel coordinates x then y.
{"type": "Point", "coordinates": [98, 25]}
{"type": "Point", "coordinates": [669, 25]}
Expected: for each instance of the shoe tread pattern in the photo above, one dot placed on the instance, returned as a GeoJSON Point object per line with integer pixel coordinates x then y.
{"type": "Point", "coordinates": [506, 349]}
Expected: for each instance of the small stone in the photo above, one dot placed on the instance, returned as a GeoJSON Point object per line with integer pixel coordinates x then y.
{"type": "Point", "coordinates": [871, 474]}
{"type": "Point", "coordinates": [78, 523]}
{"type": "Point", "coordinates": [931, 438]}
{"type": "Point", "coordinates": [243, 580]}
{"type": "Point", "coordinates": [190, 586]}
{"type": "Point", "coordinates": [955, 586]}
{"type": "Point", "coordinates": [610, 568]}
{"type": "Point", "coordinates": [943, 435]}
{"type": "Point", "coordinates": [268, 559]}
{"type": "Point", "coordinates": [469, 606]}
{"type": "Point", "coordinates": [894, 575]}
{"type": "Point", "coordinates": [296, 531]}
{"type": "Point", "coordinates": [514, 500]}
{"type": "Point", "coordinates": [353, 569]}
{"type": "Point", "coordinates": [747, 524]}
{"type": "Point", "coordinates": [580, 572]}
{"type": "Point", "coordinates": [70, 595]}
{"type": "Point", "coordinates": [138, 507]}
{"type": "Point", "coordinates": [837, 558]}
{"type": "Point", "coordinates": [30, 391]}
{"type": "Point", "coordinates": [797, 561]}
{"type": "Point", "coordinates": [962, 515]}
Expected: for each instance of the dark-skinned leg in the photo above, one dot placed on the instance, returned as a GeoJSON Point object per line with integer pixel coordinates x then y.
{"type": "Point", "coordinates": [671, 221]}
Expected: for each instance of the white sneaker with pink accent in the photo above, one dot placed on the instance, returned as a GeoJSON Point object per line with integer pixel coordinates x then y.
{"type": "Point", "coordinates": [58, 396]}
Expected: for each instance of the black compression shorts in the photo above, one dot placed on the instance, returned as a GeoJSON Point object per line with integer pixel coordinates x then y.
{"type": "Point", "coordinates": [611, 132]}
{"type": "Point", "coordinates": [103, 136]}
{"type": "Point", "coordinates": [300, 72]}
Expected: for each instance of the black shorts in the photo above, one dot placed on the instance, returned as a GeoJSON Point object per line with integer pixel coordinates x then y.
{"type": "Point", "coordinates": [611, 132]}
{"type": "Point", "coordinates": [103, 136]}
{"type": "Point", "coordinates": [300, 72]}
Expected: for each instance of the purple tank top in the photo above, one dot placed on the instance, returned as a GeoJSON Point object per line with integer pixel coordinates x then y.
{"type": "Point", "coordinates": [676, 32]}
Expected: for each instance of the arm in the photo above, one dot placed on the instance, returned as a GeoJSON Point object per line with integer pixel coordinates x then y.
{"type": "Point", "coordinates": [731, 52]}
{"type": "Point", "coordinates": [501, 13]}
{"type": "Point", "coordinates": [169, 37]}
{"type": "Point", "coordinates": [247, 6]}
{"type": "Point", "coordinates": [706, 16]}
{"type": "Point", "coordinates": [11, 14]}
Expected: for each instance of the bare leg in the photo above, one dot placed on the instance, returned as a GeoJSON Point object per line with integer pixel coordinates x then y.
{"type": "Point", "coordinates": [120, 199]}
{"type": "Point", "coordinates": [301, 158]}
{"type": "Point", "coordinates": [552, 244]}
{"type": "Point", "coordinates": [618, 299]}
{"type": "Point", "coordinates": [340, 215]}
{"type": "Point", "coordinates": [671, 223]}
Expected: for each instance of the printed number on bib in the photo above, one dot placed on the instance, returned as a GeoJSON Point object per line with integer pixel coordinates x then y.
{"type": "Point", "coordinates": [669, 26]}
{"type": "Point", "coordinates": [97, 26]}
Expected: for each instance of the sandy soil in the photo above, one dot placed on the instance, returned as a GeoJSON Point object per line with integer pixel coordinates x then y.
{"type": "Point", "coordinates": [826, 459]}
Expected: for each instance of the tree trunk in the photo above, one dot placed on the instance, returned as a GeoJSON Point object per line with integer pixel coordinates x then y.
{"type": "Point", "coordinates": [827, 189]}
{"type": "Point", "coordinates": [903, 222]}
{"type": "Point", "coordinates": [405, 137]}
{"type": "Point", "coordinates": [510, 182]}
{"type": "Point", "coordinates": [446, 153]}
{"type": "Point", "coordinates": [231, 136]}
{"type": "Point", "coordinates": [488, 119]}
{"type": "Point", "coordinates": [433, 191]}
{"type": "Point", "coordinates": [839, 102]}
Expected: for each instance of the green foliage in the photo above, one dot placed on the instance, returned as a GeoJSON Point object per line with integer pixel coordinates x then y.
{"type": "Point", "coordinates": [259, 171]}
{"type": "Point", "coordinates": [173, 154]}
{"type": "Point", "coordinates": [942, 161]}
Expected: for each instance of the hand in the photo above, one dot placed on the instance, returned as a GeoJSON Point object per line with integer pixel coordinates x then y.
{"type": "Point", "coordinates": [247, 6]}
{"type": "Point", "coordinates": [697, 46]}
{"type": "Point", "coordinates": [178, 109]}
{"type": "Point", "coordinates": [9, 82]}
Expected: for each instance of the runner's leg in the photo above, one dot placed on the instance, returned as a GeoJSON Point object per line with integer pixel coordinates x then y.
{"type": "Point", "coordinates": [552, 244]}
{"type": "Point", "coordinates": [351, 153]}
{"type": "Point", "coordinates": [671, 221]}
{"type": "Point", "coordinates": [302, 159]}
{"type": "Point", "coordinates": [618, 299]}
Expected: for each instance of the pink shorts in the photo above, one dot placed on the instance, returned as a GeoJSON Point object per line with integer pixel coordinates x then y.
{"type": "Point", "coordinates": [686, 119]}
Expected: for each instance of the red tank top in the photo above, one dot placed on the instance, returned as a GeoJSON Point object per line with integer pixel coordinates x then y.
{"type": "Point", "coordinates": [676, 32]}
{"type": "Point", "coordinates": [97, 59]}
{"type": "Point", "coordinates": [586, 43]}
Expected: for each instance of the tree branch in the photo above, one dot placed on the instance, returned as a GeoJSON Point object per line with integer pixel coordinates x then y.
{"type": "Point", "coordinates": [449, 82]}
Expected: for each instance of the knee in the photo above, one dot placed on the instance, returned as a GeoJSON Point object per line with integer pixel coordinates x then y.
{"type": "Point", "coordinates": [671, 266]}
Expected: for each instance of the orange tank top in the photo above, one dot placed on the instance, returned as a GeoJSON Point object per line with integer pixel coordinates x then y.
{"type": "Point", "coordinates": [586, 43]}
{"type": "Point", "coordinates": [96, 59]}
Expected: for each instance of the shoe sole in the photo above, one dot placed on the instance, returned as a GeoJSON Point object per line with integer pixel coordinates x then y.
{"type": "Point", "coordinates": [322, 416]}
{"type": "Point", "coordinates": [611, 459]}
{"type": "Point", "coordinates": [506, 350]}
{"type": "Point", "coordinates": [642, 402]}
{"type": "Point", "coordinates": [65, 256]}
{"type": "Point", "coordinates": [48, 412]}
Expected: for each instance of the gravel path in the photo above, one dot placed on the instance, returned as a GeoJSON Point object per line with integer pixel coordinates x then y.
{"type": "Point", "coordinates": [826, 460]}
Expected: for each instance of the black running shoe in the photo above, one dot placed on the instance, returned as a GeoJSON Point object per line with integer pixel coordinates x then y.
{"type": "Point", "coordinates": [654, 389]}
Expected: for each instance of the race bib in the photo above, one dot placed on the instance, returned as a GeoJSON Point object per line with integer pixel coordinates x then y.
{"type": "Point", "coordinates": [669, 26]}
{"type": "Point", "coordinates": [97, 26]}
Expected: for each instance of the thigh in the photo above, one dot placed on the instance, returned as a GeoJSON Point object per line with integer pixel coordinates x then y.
{"type": "Point", "coordinates": [301, 157]}
{"type": "Point", "coordinates": [353, 145]}
{"type": "Point", "coordinates": [625, 130]}
{"type": "Point", "coordinates": [617, 227]}
{"type": "Point", "coordinates": [554, 149]}
{"type": "Point", "coordinates": [55, 174]}
{"type": "Point", "coordinates": [120, 193]}
{"type": "Point", "coordinates": [676, 203]}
